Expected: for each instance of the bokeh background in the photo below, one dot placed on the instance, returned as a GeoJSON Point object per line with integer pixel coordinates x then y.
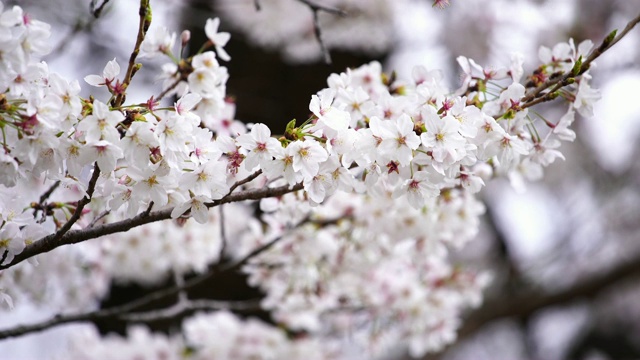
{"type": "Point", "coordinates": [564, 252]}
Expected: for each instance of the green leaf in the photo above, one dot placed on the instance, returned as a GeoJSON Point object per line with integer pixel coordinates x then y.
{"type": "Point", "coordinates": [577, 67]}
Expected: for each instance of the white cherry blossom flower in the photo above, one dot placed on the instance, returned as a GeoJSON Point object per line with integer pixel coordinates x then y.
{"type": "Point", "coordinates": [209, 180]}
{"type": "Point", "coordinates": [9, 170]}
{"type": "Point", "coordinates": [11, 242]}
{"type": "Point", "coordinates": [158, 41]}
{"type": "Point", "coordinates": [105, 153]}
{"type": "Point", "coordinates": [398, 138]}
{"type": "Point", "coordinates": [204, 148]}
{"type": "Point", "coordinates": [442, 137]}
{"type": "Point", "coordinates": [101, 124]}
{"type": "Point", "coordinates": [138, 142]}
{"type": "Point", "coordinates": [208, 83]}
{"type": "Point", "coordinates": [198, 210]}
{"type": "Point", "coordinates": [218, 39]}
{"type": "Point", "coordinates": [329, 115]}
{"type": "Point", "coordinates": [586, 97]}
{"type": "Point", "coordinates": [307, 156]}
{"type": "Point", "coordinates": [173, 133]}
{"type": "Point", "coordinates": [562, 130]}
{"type": "Point", "coordinates": [260, 145]}
{"type": "Point", "coordinates": [150, 184]}
{"type": "Point", "coordinates": [282, 166]}
{"type": "Point", "coordinates": [109, 74]}
{"type": "Point", "coordinates": [418, 189]}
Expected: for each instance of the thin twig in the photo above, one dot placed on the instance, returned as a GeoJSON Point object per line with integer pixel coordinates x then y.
{"type": "Point", "coordinates": [179, 280]}
{"type": "Point", "coordinates": [98, 218]}
{"type": "Point", "coordinates": [79, 208]}
{"type": "Point", "coordinates": [168, 89]}
{"type": "Point", "coordinates": [223, 234]}
{"type": "Point", "coordinates": [315, 9]}
{"type": "Point", "coordinates": [145, 22]}
{"type": "Point", "coordinates": [48, 193]}
{"type": "Point", "coordinates": [328, 9]}
{"type": "Point", "coordinates": [41, 206]}
{"type": "Point", "coordinates": [181, 308]}
{"type": "Point", "coordinates": [246, 180]}
{"type": "Point", "coordinates": [148, 210]}
{"type": "Point", "coordinates": [96, 11]}
{"type": "Point", "coordinates": [548, 96]}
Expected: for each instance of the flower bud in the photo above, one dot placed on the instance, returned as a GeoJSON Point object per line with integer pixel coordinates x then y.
{"type": "Point", "coordinates": [185, 37]}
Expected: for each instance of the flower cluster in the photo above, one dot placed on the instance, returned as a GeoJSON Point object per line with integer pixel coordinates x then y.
{"type": "Point", "coordinates": [250, 339]}
{"type": "Point", "coordinates": [406, 157]}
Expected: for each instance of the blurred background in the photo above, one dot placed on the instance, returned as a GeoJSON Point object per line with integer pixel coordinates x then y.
{"type": "Point", "coordinates": [564, 253]}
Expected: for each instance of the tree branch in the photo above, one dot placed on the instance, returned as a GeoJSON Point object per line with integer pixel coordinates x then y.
{"type": "Point", "coordinates": [315, 9]}
{"type": "Point", "coordinates": [181, 308]}
{"type": "Point", "coordinates": [527, 302]}
{"type": "Point", "coordinates": [169, 88]}
{"type": "Point", "coordinates": [48, 193]}
{"type": "Point", "coordinates": [96, 11]}
{"type": "Point", "coordinates": [79, 208]}
{"type": "Point", "coordinates": [50, 242]}
{"type": "Point", "coordinates": [121, 310]}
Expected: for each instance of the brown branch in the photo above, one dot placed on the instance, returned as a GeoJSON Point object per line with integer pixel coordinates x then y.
{"type": "Point", "coordinates": [41, 204]}
{"type": "Point", "coordinates": [246, 180]}
{"type": "Point", "coordinates": [223, 235]}
{"type": "Point", "coordinates": [96, 11]}
{"type": "Point", "coordinates": [526, 303]}
{"type": "Point", "coordinates": [50, 242]}
{"type": "Point", "coordinates": [48, 193]}
{"type": "Point", "coordinates": [98, 218]}
{"type": "Point", "coordinates": [121, 310]}
{"type": "Point", "coordinates": [181, 308]}
{"type": "Point", "coordinates": [79, 208]}
{"type": "Point", "coordinates": [548, 96]}
{"type": "Point", "coordinates": [169, 88]}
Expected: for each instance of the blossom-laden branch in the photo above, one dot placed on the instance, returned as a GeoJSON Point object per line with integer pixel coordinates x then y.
{"type": "Point", "coordinates": [125, 311]}
{"type": "Point", "coordinates": [121, 312]}
{"type": "Point", "coordinates": [525, 303]}
{"type": "Point", "coordinates": [79, 208]}
{"type": "Point", "coordinates": [538, 94]}
{"type": "Point", "coordinates": [407, 158]}
{"type": "Point", "coordinates": [53, 241]}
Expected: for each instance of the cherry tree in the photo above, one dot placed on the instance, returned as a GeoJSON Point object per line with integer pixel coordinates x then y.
{"type": "Point", "coordinates": [344, 220]}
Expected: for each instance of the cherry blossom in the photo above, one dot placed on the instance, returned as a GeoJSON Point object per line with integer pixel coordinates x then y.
{"type": "Point", "coordinates": [218, 39]}
{"type": "Point", "coordinates": [260, 145]}
{"type": "Point", "coordinates": [109, 74]}
{"type": "Point", "coordinates": [359, 208]}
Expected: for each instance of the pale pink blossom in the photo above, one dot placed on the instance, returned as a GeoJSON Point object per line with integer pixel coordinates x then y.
{"type": "Point", "coordinates": [109, 74]}
{"type": "Point", "coordinates": [218, 39]}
